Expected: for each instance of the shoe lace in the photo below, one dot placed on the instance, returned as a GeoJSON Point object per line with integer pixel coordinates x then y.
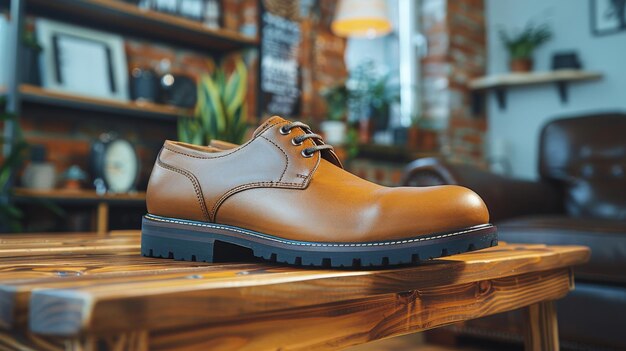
{"type": "Point", "coordinates": [308, 134]}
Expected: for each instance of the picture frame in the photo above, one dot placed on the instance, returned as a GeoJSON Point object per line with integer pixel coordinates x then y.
{"type": "Point", "coordinates": [607, 16]}
{"type": "Point", "coordinates": [167, 6]}
{"type": "Point", "coordinates": [205, 11]}
{"type": "Point", "coordinates": [192, 9]}
{"type": "Point", "coordinates": [82, 61]}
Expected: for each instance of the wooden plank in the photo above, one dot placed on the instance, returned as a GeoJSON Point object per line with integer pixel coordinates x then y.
{"type": "Point", "coordinates": [216, 296]}
{"type": "Point", "coordinates": [532, 78]}
{"type": "Point", "coordinates": [35, 94]}
{"type": "Point", "coordinates": [542, 331]}
{"type": "Point", "coordinates": [82, 194]}
{"type": "Point", "coordinates": [31, 246]}
{"type": "Point", "coordinates": [335, 326]}
{"type": "Point", "coordinates": [329, 326]}
{"type": "Point", "coordinates": [128, 19]}
{"type": "Point", "coordinates": [15, 290]}
{"type": "Point", "coordinates": [102, 219]}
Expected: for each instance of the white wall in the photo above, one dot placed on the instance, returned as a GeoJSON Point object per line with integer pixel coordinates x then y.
{"type": "Point", "coordinates": [529, 108]}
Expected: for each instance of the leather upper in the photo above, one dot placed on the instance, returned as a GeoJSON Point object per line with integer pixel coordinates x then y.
{"type": "Point", "coordinates": [268, 185]}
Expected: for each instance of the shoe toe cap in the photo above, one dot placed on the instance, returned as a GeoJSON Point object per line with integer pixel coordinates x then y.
{"type": "Point", "coordinates": [428, 210]}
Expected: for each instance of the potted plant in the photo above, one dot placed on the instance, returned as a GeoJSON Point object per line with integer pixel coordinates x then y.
{"type": "Point", "coordinates": [381, 96]}
{"type": "Point", "coordinates": [371, 96]}
{"type": "Point", "coordinates": [220, 110]}
{"type": "Point", "coordinates": [522, 45]}
{"type": "Point", "coordinates": [334, 129]}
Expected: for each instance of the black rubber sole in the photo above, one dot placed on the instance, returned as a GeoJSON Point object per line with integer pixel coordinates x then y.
{"type": "Point", "coordinates": [200, 241]}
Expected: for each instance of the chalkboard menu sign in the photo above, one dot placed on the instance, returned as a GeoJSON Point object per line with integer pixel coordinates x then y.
{"type": "Point", "coordinates": [280, 75]}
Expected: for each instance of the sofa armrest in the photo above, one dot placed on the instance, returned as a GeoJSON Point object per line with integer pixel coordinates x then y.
{"type": "Point", "coordinates": [505, 197]}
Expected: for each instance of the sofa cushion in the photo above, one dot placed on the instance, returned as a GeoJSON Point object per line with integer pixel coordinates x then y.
{"type": "Point", "coordinates": [605, 238]}
{"type": "Point", "coordinates": [598, 326]}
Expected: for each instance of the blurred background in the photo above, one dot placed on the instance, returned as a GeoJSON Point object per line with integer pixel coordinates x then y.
{"type": "Point", "coordinates": [522, 101]}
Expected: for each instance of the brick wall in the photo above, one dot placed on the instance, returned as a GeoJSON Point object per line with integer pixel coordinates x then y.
{"type": "Point", "coordinates": [455, 31]}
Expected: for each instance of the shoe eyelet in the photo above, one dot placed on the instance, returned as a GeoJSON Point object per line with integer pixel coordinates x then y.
{"type": "Point", "coordinates": [295, 142]}
{"type": "Point", "coordinates": [284, 131]}
{"type": "Point", "coordinates": [306, 154]}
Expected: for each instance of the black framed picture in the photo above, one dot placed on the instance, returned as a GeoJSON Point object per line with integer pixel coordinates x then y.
{"type": "Point", "coordinates": [82, 61]}
{"type": "Point", "coordinates": [608, 16]}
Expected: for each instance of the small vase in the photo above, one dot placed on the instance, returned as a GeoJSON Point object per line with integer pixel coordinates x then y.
{"type": "Point", "coordinates": [334, 132]}
{"type": "Point", "coordinates": [521, 65]}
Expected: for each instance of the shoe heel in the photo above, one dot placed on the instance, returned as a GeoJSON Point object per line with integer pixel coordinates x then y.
{"type": "Point", "coordinates": [173, 243]}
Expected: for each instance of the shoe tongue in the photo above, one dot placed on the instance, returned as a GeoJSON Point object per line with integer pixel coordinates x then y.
{"type": "Point", "coordinates": [271, 121]}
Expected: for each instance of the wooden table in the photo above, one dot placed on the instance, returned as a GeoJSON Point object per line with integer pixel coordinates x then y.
{"type": "Point", "coordinates": [84, 292]}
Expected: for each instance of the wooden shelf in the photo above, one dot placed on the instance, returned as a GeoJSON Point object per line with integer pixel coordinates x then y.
{"type": "Point", "coordinates": [81, 195]}
{"type": "Point", "coordinates": [392, 153]}
{"type": "Point", "coordinates": [36, 95]}
{"type": "Point", "coordinates": [128, 19]}
{"type": "Point", "coordinates": [532, 78]}
{"type": "Point", "coordinates": [499, 83]}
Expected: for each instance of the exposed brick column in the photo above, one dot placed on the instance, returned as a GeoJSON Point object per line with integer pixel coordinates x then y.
{"type": "Point", "coordinates": [455, 31]}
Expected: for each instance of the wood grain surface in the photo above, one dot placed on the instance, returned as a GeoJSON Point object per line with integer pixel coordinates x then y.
{"type": "Point", "coordinates": [542, 333]}
{"type": "Point", "coordinates": [339, 325]}
{"type": "Point", "coordinates": [87, 290]}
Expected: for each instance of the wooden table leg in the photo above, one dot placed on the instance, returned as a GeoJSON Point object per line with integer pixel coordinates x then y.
{"type": "Point", "coordinates": [542, 332]}
{"type": "Point", "coordinates": [102, 218]}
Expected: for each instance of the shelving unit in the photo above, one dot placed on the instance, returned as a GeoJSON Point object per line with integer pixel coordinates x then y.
{"type": "Point", "coordinates": [391, 153]}
{"type": "Point", "coordinates": [117, 17]}
{"type": "Point", "coordinates": [500, 83]}
{"type": "Point", "coordinates": [88, 197]}
{"type": "Point", "coordinates": [36, 95]}
{"type": "Point", "coordinates": [79, 196]}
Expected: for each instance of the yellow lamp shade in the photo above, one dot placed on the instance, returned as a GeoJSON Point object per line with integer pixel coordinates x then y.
{"type": "Point", "coordinates": [361, 18]}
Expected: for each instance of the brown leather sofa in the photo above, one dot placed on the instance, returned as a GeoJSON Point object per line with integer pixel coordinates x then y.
{"type": "Point", "coordinates": [579, 199]}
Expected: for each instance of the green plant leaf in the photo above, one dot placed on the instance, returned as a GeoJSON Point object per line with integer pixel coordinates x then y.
{"type": "Point", "coordinates": [236, 88]}
{"type": "Point", "coordinates": [220, 109]}
{"type": "Point", "coordinates": [212, 113]}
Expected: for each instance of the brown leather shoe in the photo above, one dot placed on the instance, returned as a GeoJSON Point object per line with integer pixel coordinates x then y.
{"type": "Point", "coordinates": [284, 196]}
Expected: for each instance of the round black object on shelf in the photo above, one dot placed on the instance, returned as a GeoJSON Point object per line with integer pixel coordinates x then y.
{"type": "Point", "coordinates": [178, 90]}
{"type": "Point", "coordinates": [566, 60]}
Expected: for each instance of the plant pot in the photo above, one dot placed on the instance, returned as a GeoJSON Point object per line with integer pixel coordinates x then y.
{"type": "Point", "coordinates": [380, 118]}
{"type": "Point", "coordinates": [521, 65]}
{"type": "Point", "coordinates": [30, 66]}
{"type": "Point", "coordinates": [334, 132]}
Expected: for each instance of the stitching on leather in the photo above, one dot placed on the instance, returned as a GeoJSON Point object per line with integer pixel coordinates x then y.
{"type": "Point", "coordinates": [306, 180]}
{"type": "Point", "coordinates": [270, 184]}
{"type": "Point", "coordinates": [228, 154]}
{"type": "Point", "coordinates": [300, 243]}
{"type": "Point", "coordinates": [284, 153]}
{"type": "Point", "coordinates": [194, 183]}
{"type": "Point", "coordinates": [247, 186]}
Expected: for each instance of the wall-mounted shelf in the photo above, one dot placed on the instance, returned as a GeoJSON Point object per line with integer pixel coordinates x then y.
{"type": "Point", "coordinates": [128, 19]}
{"type": "Point", "coordinates": [500, 83]}
{"type": "Point", "coordinates": [36, 95]}
{"type": "Point", "coordinates": [391, 153]}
